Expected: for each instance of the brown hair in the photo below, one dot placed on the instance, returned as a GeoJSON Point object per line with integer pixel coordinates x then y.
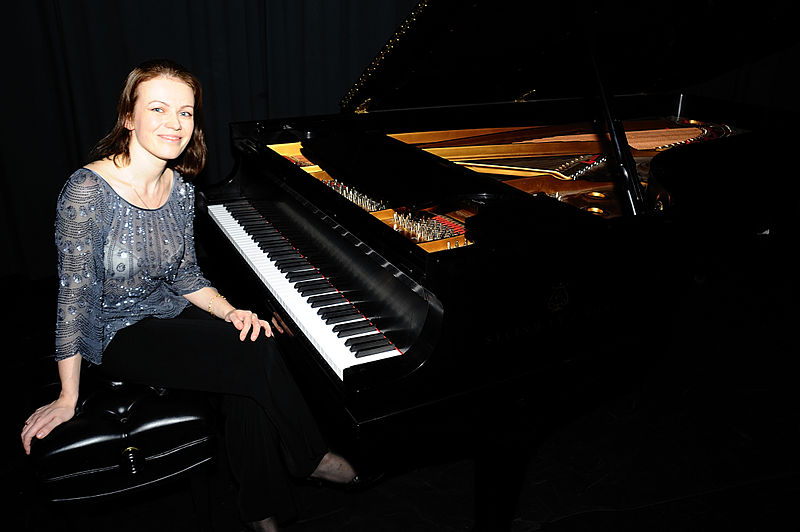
{"type": "Point", "coordinates": [116, 143]}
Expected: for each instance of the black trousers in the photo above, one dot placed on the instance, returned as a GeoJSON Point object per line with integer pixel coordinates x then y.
{"type": "Point", "coordinates": [268, 429]}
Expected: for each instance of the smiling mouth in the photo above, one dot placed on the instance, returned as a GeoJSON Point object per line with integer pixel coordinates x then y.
{"type": "Point", "coordinates": [171, 138]}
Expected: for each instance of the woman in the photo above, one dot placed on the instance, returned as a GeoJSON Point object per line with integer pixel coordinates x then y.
{"type": "Point", "coordinates": [133, 302]}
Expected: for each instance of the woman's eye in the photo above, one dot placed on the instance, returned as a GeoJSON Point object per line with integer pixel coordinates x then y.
{"type": "Point", "coordinates": [186, 114]}
{"type": "Point", "coordinates": [157, 109]}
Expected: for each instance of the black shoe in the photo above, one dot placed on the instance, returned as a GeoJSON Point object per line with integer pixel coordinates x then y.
{"type": "Point", "coordinates": [363, 482]}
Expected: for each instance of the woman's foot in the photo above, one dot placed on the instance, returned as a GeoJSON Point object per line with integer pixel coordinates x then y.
{"type": "Point", "coordinates": [265, 525]}
{"type": "Point", "coordinates": [337, 472]}
{"type": "Point", "coordinates": [334, 468]}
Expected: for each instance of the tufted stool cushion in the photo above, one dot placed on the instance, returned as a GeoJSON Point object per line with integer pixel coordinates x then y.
{"type": "Point", "coordinates": [123, 437]}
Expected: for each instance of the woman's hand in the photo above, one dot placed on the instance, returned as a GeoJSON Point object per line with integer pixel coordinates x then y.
{"type": "Point", "coordinates": [245, 320]}
{"type": "Point", "coordinates": [45, 419]}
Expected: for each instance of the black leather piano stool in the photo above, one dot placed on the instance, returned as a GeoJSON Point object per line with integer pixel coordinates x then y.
{"type": "Point", "coordinates": [123, 437]}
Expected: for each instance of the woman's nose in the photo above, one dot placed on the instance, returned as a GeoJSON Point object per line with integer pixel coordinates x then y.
{"type": "Point", "coordinates": [174, 122]}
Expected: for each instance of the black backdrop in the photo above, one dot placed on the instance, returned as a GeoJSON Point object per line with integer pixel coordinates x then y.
{"type": "Point", "coordinates": [64, 62]}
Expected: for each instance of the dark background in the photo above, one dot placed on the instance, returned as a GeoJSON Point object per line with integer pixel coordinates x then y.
{"type": "Point", "coordinates": [65, 63]}
{"type": "Point", "coordinates": [688, 450]}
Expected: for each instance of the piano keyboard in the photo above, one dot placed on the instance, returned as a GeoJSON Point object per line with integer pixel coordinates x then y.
{"type": "Point", "coordinates": [336, 329]}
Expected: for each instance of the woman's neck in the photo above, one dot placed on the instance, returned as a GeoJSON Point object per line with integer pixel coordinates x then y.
{"type": "Point", "coordinates": [148, 180]}
{"type": "Point", "coordinates": [142, 185]}
{"type": "Point", "coordinates": [144, 172]}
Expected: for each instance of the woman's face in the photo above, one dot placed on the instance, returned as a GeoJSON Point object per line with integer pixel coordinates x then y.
{"type": "Point", "coordinates": [163, 118]}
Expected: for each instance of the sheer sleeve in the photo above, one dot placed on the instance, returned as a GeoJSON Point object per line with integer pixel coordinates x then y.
{"type": "Point", "coordinates": [79, 237]}
{"type": "Point", "coordinates": [189, 277]}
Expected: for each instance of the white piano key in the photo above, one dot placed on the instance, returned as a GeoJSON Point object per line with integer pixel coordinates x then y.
{"type": "Point", "coordinates": [321, 335]}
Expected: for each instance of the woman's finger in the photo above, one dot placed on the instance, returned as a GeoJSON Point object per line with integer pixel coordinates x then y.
{"type": "Point", "coordinates": [264, 325]}
{"type": "Point", "coordinates": [31, 430]}
{"type": "Point", "coordinates": [246, 324]}
{"type": "Point", "coordinates": [234, 319]}
{"type": "Point", "coordinates": [256, 326]}
{"type": "Point", "coordinates": [44, 431]}
{"type": "Point", "coordinates": [267, 329]}
{"type": "Point", "coordinates": [26, 442]}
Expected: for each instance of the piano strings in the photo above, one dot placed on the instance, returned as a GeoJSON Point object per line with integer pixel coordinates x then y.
{"type": "Point", "coordinates": [565, 162]}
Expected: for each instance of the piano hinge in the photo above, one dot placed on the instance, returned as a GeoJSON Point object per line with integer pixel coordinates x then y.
{"type": "Point", "coordinates": [362, 107]}
{"type": "Point", "coordinates": [380, 59]}
{"type": "Point", "coordinates": [524, 96]}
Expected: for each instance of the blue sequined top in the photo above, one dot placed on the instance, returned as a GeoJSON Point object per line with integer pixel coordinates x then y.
{"type": "Point", "coordinates": [118, 263]}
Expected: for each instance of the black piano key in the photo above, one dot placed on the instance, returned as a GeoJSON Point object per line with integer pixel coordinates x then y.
{"type": "Point", "coordinates": [316, 290]}
{"type": "Point", "coordinates": [243, 215]}
{"type": "Point", "coordinates": [333, 308]}
{"type": "Point", "coordinates": [313, 283]}
{"type": "Point", "coordinates": [272, 241]}
{"type": "Point", "coordinates": [278, 247]}
{"type": "Point", "coordinates": [239, 205]}
{"type": "Point", "coordinates": [325, 300]}
{"type": "Point", "coordinates": [266, 235]}
{"type": "Point", "coordinates": [304, 275]}
{"type": "Point", "coordinates": [275, 249]}
{"type": "Point", "coordinates": [290, 261]}
{"type": "Point", "coordinates": [266, 238]}
{"type": "Point", "coordinates": [253, 225]}
{"type": "Point", "coordinates": [344, 330]}
{"type": "Point", "coordinates": [247, 217]}
{"type": "Point", "coordinates": [293, 266]}
{"type": "Point", "coordinates": [258, 227]}
{"type": "Point", "coordinates": [374, 350]}
{"type": "Point", "coordinates": [365, 327]}
{"type": "Point", "coordinates": [339, 310]}
{"type": "Point", "coordinates": [381, 342]}
{"type": "Point", "coordinates": [348, 310]}
{"type": "Point", "coordinates": [358, 341]}
{"type": "Point", "coordinates": [270, 245]}
{"type": "Point", "coordinates": [283, 254]}
{"type": "Point", "coordinates": [343, 317]}
{"type": "Point", "coordinates": [299, 269]}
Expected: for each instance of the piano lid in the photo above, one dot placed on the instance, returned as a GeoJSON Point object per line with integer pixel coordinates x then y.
{"type": "Point", "coordinates": [454, 52]}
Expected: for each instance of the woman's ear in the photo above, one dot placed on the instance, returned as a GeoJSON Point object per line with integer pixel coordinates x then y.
{"type": "Point", "coordinates": [129, 123]}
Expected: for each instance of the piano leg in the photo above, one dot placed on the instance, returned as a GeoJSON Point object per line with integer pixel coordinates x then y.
{"type": "Point", "coordinates": [501, 455]}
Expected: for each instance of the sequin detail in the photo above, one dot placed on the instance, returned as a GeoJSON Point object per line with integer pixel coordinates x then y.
{"type": "Point", "coordinates": [119, 263]}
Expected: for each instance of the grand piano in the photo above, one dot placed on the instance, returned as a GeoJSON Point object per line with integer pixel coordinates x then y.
{"type": "Point", "coordinates": [502, 213]}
